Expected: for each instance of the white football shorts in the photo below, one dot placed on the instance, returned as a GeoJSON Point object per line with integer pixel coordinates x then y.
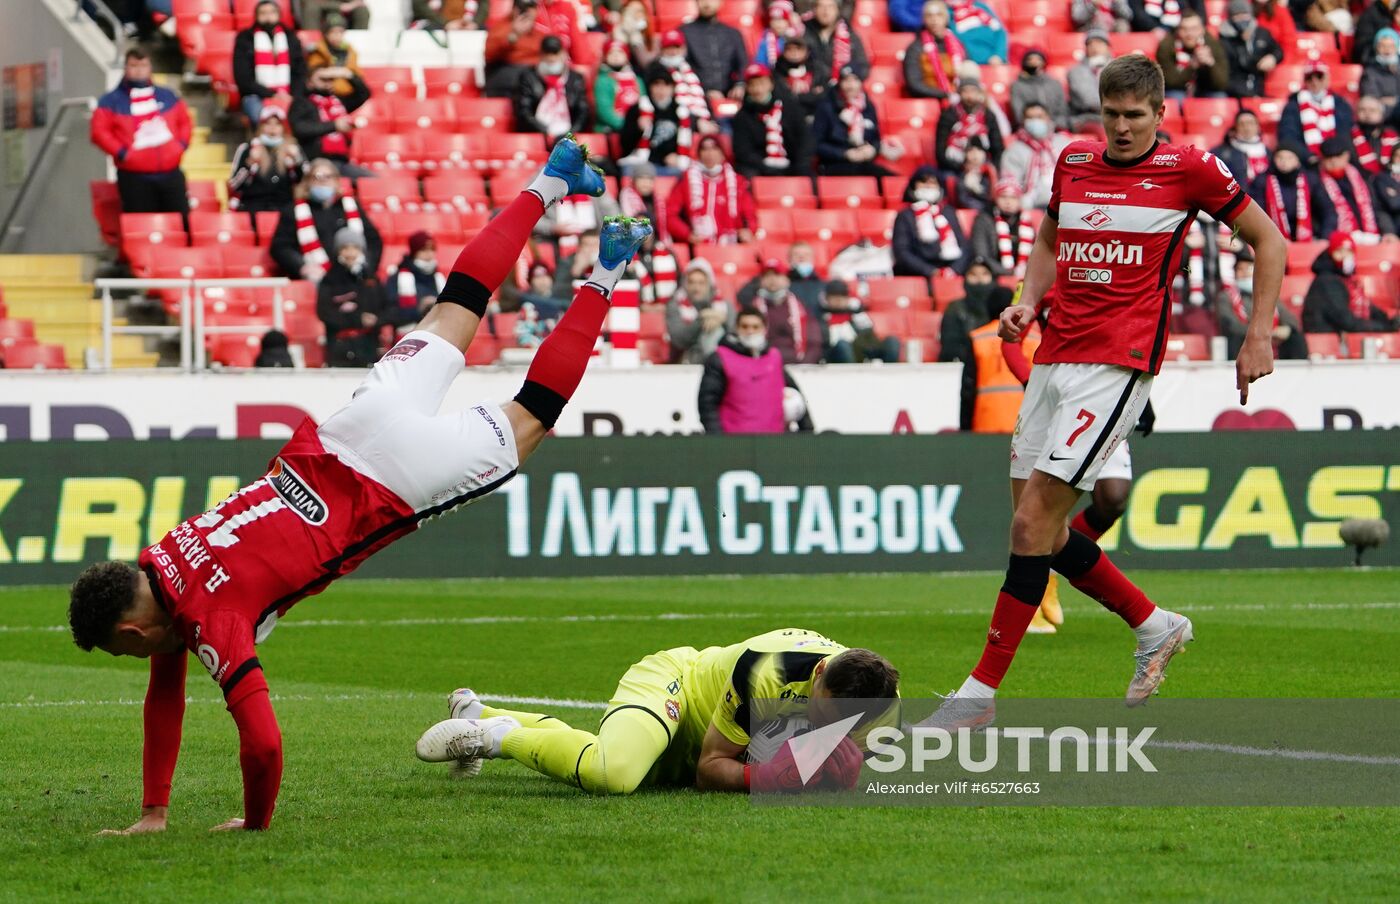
{"type": "Point", "coordinates": [1074, 418]}
{"type": "Point", "coordinates": [391, 430]}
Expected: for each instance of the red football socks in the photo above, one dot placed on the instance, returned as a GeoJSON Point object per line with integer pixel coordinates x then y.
{"type": "Point", "coordinates": [563, 357]}
{"type": "Point", "coordinates": [1081, 524]}
{"type": "Point", "coordinates": [1026, 577]}
{"type": "Point", "coordinates": [491, 256]}
{"type": "Point", "coordinates": [1105, 583]}
{"type": "Point", "coordinates": [1091, 523]}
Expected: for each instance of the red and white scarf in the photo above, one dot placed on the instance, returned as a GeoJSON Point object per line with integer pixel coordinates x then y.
{"type": "Point", "coordinates": [956, 55]}
{"type": "Point", "coordinates": [151, 128]}
{"type": "Point", "coordinates": [1256, 156]}
{"type": "Point", "coordinates": [796, 313]}
{"type": "Point", "coordinates": [330, 108]}
{"type": "Point", "coordinates": [775, 155]}
{"type": "Point", "coordinates": [968, 126]}
{"type": "Point", "coordinates": [853, 115]}
{"type": "Point", "coordinates": [1358, 297]}
{"type": "Point", "coordinates": [1319, 119]}
{"type": "Point", "coordinates": [1042, 164]}
{"type": "Point", "coordinates": [704, 196]}
{"type": "Point", "coordinates": [1196, 268]}
{"type": "Point", "coordinates": [1166, 12]}
{"type": "Point", "coordinates": [1366, 155]}
{"type": "Point", "coordinates": [1014, 254]}
{"type": "Point", "coordinates": [272, 61]}
{"type": "Point", "coordinates": [646, 119]}
{"type": "Point", "coordinates": [799, 80]}
{"type": "Point", "coordinates": [406, 285]}
{"type": "Point", "coordinates": [1302, 218]}
{"type": "Point", "coordinates": [1237, 305]}
{"type": "Point", "coordinates": [628, 91]}
{"type": "Point", "coordinates": [573, 216]}
{"type": "Point", "coordinates": [933, 226]}
{"type": "Point", "coordinates": [553, 108]}
{"type": "Point", "coordinates": [690, 92]}
{"type": "Point", "coordinates": [310, 240]}
{"type": "Point", "coordinates": [840, 48]}
{"type": "Point", "coordinates": [1346, 218]}
{"type": "Point", "coordinates": [968, 15]}
{"type": "Point", "coordinates": [1184, 58]}
{"type": "Point", "coordinates": [659, 281]}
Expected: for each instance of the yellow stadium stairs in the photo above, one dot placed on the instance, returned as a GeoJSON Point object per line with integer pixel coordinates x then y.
{"type": "Point", "coordinates": [53, 291]}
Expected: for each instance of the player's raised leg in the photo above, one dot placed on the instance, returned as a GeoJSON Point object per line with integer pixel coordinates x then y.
{"type": "Point", "coordinates": [487, 259]}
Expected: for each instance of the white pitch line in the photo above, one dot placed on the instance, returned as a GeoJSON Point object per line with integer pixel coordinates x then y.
{"type": "Point", "coordinates": [1280, 752]}
{"type": "Point", "coordinates": [719, 616]}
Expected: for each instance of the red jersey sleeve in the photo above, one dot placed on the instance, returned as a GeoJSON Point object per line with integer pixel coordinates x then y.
{"type": "Point", "coordinates": [259, 755]}
{"type": "Point", "coordinates": [1014, 354]}
{"type": "Point", "coordinates": [1214, 189]}
{"type": "Point", "coordinates": [223, 641]}
{"type": "Point", "coordinates": [164, 716]}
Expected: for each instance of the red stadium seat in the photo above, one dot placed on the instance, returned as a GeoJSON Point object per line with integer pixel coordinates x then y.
{"type": "Point", "coordinates": [107, 210]}
{"type": "Point", "coordinates": [846, 192]}
{"type": "Point", "coordinates": [35, 356]}
{"type": "Point", "coordinates": [1268, 109]}
{"type": "Point", "coordinates": [462, 190]}
{"type": "Point", "coordinates": [388, 152]}
{"type": "Point", "coordinates": [153, 229]}
{"type": "Point", "coordinates": [386, 81]}
{"type": "Point", "coordinates": [1379, 259]}
{"type": "Point", "coordinates": [871, 17]}
{"type": "Point", "coordinates": [1208, 115]}
{"type": "Point", "coordinates": [1317, 45]}
{"type": "Point", "coordinates": [783, 191]}
{"type": "Point", "coordinates": [884, 81]}
{"type": "Point", "coordinates": [735, 261]}
{"type": "Point", "coordinates": [449, 81]}
{"type": "Point", "coordinates": [587, 50]}
{"type": "Point", "coordinates": [484, 114]}
{"type": "Point", "coordinates": [919, 114]}
{"type": "Point", "coordinates": [513, 150]}
{"type": "Point", "coordinates": [14, 330]}
{"type": "Point", "coordinates": [483, 350]}
{"type": "Point", "coordinates": [242, 262]}
{"type": "Point", "coordinates": [397, 191]}
{"type": "Point", "coordinates": [410, 115]}
{"type": "Point", "coordinates": [1302, 254]}
{"type": "Point", "coordinates": [451, 151]}
{"type": "Point", "coordinates": [506, 184]}
{"type": "Point", "coordinates": [1188, 347]}
{"type": "Point", "coordinates": [596, 143]}
{"type": "Point", "coordinates": [1324, 346]}
{"type": "Point", "coordinates": [1383, 290]}
{"type": "Point", "coordinates": [1293, 291]}
{"type": "Point", "coordinates": [445, 226]}
{"type": "Point", "coordinates": [876, 225]}
{"type": "Point", "coordinates": [189, 263]}
{"type": "Point", "coordinates": [899, 292]}
{"type": "Point", "coordinates": [236, 350]}
{"type": "Point", "coordinates": [1373, 345]}
{"type": "Point", "coordinates": [836, 226]}
{"type": "Point", "coordinates": [654, 351]}
{"type": "Point", "coordinates": [265, 224]}
{"type": "Point", "coordinates": [1040, 16]}
{"type": "Point", "coordinates": [775, 225]}
{"type": "Point", "coordinates": [221, 228]}
{"type": "Point", "coordinates": [652, 325]}
{"type": "Point", "coordinates": [196, 19]}
{"type": "Point", "coordinates": [946, 290]}
{"type": "Point", "coordinates": [244, 10]}
{"type": "Point", "coordinates": [887, 49]}
{"type": "Point", "coordinates": [1129, 41]}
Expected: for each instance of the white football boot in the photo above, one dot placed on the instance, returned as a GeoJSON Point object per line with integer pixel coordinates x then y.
{"type": "Point", "coordinates": [972, 713]}
{"type": "Point", "coordinates": [463, 703]}
{"type": "Point", "coordinates": [468, 741]}
{"type": "Point", "coordinates": [1153, 655]}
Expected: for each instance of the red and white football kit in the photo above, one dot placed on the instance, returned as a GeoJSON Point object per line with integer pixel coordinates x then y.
{"type": "Point", "coordinates": [333, 496]}
{"type": "Point", "coordinates": [1121, 230]}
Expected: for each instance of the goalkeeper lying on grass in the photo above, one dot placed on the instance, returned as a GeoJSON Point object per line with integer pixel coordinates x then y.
{"type": "Point", "coordinates": [683, 716]}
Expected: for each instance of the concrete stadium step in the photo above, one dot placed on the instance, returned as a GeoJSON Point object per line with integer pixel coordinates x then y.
{"type": "Point", "coordinates": [24, 269]}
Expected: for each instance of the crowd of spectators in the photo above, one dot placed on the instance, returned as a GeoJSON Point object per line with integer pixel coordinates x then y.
{"type": "Point", "coordinates": [695, 114]}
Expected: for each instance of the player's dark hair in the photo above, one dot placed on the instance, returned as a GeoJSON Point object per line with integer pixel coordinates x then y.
{"type": "Point", "coordinates": [1134, 75]}
{"type": "Point", "coordinates": [97, 601]}
{"type": "Point", "coordinates": [136, 53]}
{"type": "Point", "coordinates": [749, 312]}
{"type": "Point", "coordinates": [861, 673]}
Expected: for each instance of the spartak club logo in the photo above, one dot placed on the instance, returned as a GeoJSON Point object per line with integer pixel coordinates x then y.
{"type": "Point", "coordinates": [1097, 219]}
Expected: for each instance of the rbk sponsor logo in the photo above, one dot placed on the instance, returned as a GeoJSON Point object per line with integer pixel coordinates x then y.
{"type": "Point", "coordinates": [1166, 160]}
{"type": "Point", "coordinates": [1096, 219]}
{"type": "Point", "coordinates": [299, 497]}
{"type": "Point", "coordinates": [1114, 252]}
{"type": "Point", "coordinates": [1089, 275]}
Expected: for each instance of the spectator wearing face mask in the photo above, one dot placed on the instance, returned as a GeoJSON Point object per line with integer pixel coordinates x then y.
{"type": "Point", "coordinates": [1083, 83]}
{"type": "Point", "coordinates": [794, 73]}
{"type": "Point", "coordinates": [1381, 78]}
{"type": "Point", "coordinates": [1234, 304]}
{"type": "Point", "coordinates": [349, 301]}
{"type": "Point", "coordinates": [927, 237]}
{"type": "Point", "coordinates": [660, 129]}
{"type": "Point", "coordinates": [743, 385]}
{"type": "Point", "coordinates": [690, 90]}
{"type": "Point", "coordinates": [711, 204]}
{"type": "Point", "coordinates": [1003, 236]}
{"type": "Point", "coordinates": [982, 301]}
{"type": "Point", "coordinates": [696, 319]}
{"type": "Point", "coordinates": [1033, 86]}
{"type": "Point", "coordinates": [1352, 196]}
{"type": "Point", "coordinates": [1243, 149]}
{"type": "Point", "coordinates": [267, 168]}
{"type": "Point", "coordinates": [1031, 154]}
{"type": "Point", "coordinates": [975, 188]}
{"type": "Point", "coordinates": [1372, 140]}
{"type": "Point", "coordinates": [803, 280]}
{"type": "Point", "coordinates": [932, 59]}
{"type": "Point", "coordinates": [308, 227]}
{"type": "Point", "coordinates": [321, 119]}
{"type": "Point", "coordinates": [551, 98]}
{"type": "Point", "coordinates": [1314, 114]}
{"type": "Point", "coordinates": [1250, 49]}
{"type": "Point", "coordinates": [1293, 197]}
{"type": "Point", "coordinates": [616, 89]}
{"type": "Point", "coordinates": [1337, 301]}
{"type": "Point", "coordinates": [846, 131]}
{"type": "Point", "coordinates": [771, 137]}
{"type": "Point", "coordinates": [850, 331]}
{"type": "Point", "coordinates": [268, 62]}
{"type": "Point", "coordinates": [1376, 17]}
{"type": "Point", "coordinates": [964, 121]}
{"type": "Point", "coordinates": [413, 285]}
{"type": "Point", "coordinates": [792, 329]}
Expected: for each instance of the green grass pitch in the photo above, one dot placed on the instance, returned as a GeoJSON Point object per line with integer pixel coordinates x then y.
{"type": "Point", "coordinates": [358, 672]}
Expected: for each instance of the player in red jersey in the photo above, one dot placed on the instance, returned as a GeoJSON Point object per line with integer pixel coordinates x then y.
{"type": "Point", "coordinates": [1110, 244]}
{"type": "Point", "coordinates": [335, 494]}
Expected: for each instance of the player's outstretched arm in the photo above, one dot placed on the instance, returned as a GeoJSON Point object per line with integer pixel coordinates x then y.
{"type": "Point", "coordinates": [721, 765]}
{"type": "Point", "coordinates": [163, 718]}
{"type": "Point", "coordinates": [260, 756]}
{"type": "Point", "coordinates": [1040, 276]}
{"type": "Point", "coordinates": [1256, 357]}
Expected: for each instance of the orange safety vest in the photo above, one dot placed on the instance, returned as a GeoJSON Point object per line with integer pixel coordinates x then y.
{"type": "Point", "coordinates": [999, 393]}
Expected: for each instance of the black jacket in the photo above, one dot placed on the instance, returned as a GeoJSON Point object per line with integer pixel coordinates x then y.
{"type": "Point", "coordinates": [1324, 218]}
{"type": "Point", "coordinates": [714, 383]}
{"type": "Point", "coordinates": [286, 250]}
{"type": "Point", "coordinates": [1384, 224]}
{"type": "Point", "coordinates": [716, 53]}
{"type": "Point", "coordinates": [1372, 19]}
{"type": "Point", "coordinates": [348, 342]}
{"type": "Point", "coordinates": [265, 189]}
{"type": "Point", "coordinates": [1143, 21]}
{"type": "Point", "coordinates": [751, 139]}
{"type": "Point", "coordinates": [1327, 306]}
{"type": "Point", "coordinates": [664, 132]}
{"type": "Point", "coordinates": [913, 257]}
{"type": "Point", "coordinates": [244, 72]}
{"type": "Point", "coordinates": [947, 119]}
{"type": "Point", "coordinates": [1244, 55]}
{"type": "Point", "coordinates": [310, 128]}
{"type": "Point", "coordinates": [530, 90]}
{"type": "Point", "coordinates": [1388, 195]}
{"type": "Point", "coordinates": [831, 137]}
{"type": "Point", "coordinates": [819, 54]}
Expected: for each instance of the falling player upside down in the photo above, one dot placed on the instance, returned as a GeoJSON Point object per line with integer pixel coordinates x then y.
{"type": "Point", "coordinates": [684, 716]}
{"type": "Point", "coordinates": [336, 494]}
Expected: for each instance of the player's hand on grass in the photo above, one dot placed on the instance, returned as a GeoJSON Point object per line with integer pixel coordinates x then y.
{"type": "Point", "coordinates": [232, 825]}
{"type": "Point", "coordinates": [841, 771]}
{"type": "Point", "coordinates": [1014, 321]}
{"type": "Point", "coordinates": [152, 820]}
{"type": "Point", "coordinates": [778, 775]}
{"type": "Point", "coordinates": [1255, 360]}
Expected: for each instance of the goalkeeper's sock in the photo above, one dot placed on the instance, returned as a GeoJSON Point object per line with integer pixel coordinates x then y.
{"type": "Point", "coordinates": [1088, 568]}
{"type": "Point", "coordinates": [1017, 603]}
{"type": "Point", "coordinates": [1091, 523]}
{"type": "Point", "coordinates": [526, 720]}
